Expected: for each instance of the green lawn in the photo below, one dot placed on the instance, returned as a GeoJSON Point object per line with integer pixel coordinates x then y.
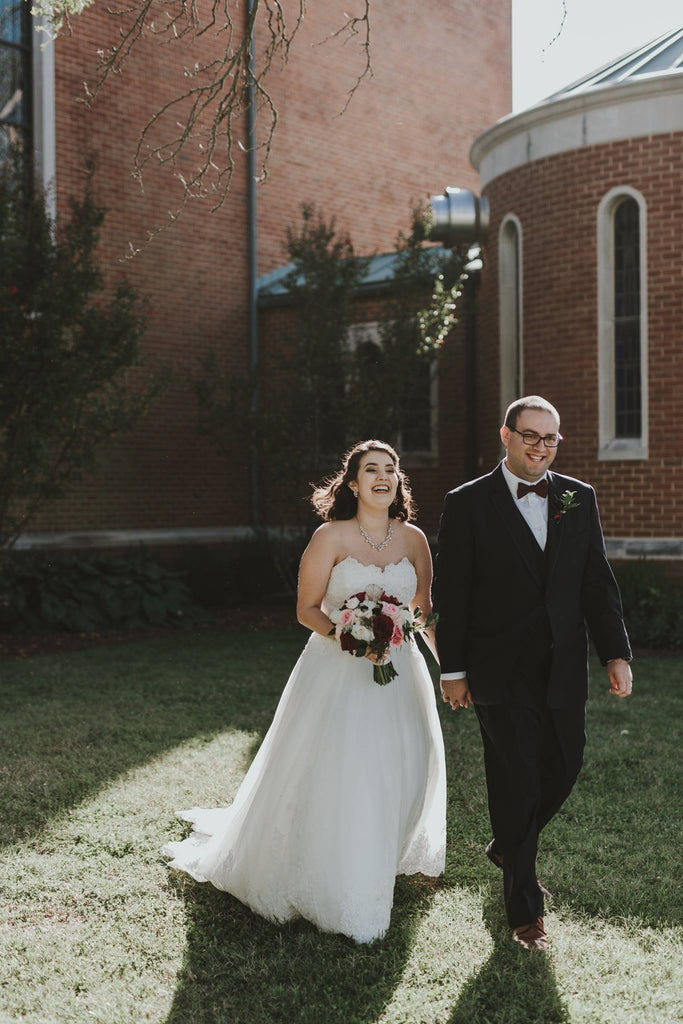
{"type": "Point", "coordinates": [98, 749]}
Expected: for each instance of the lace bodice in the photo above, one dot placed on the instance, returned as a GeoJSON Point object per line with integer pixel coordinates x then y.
{"type": "Point", "coordinates": [350, 576]}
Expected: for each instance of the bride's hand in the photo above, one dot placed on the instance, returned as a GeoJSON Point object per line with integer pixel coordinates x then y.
{"type": "Point", "coordinates": [376, 659]}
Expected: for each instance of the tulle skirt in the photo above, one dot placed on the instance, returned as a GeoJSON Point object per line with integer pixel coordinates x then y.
{"type": "Point", "coordinates": [346, 791]}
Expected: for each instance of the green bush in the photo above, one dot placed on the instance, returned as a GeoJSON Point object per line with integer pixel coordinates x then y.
{"type": "Point", "coordinates": [653, 605]}
{"type": "Point", "coordinates": [253, 571]}
{"type": "Point", "coordinates": [90, 593]}
{"type": "Point", "coordinates": [72, 367]}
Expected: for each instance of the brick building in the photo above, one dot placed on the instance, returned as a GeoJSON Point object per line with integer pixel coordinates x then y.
{"type": "Point", "coordinates": [579, 297]}
{"type": "Point", "coordinates": [582, 291]}
{"type": "Point", "coordinates": [407, 130]}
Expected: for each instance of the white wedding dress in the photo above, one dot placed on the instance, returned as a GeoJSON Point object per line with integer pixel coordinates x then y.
{"type": "Point", "coordinates": [347, 790]}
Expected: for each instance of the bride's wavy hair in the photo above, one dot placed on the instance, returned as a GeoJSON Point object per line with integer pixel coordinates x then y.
{"type": "Point", "coordinates": [334, 499]}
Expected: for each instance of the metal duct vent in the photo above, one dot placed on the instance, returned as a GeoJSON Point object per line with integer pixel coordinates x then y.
{"type": "Point", "coordinates": [459, 216]}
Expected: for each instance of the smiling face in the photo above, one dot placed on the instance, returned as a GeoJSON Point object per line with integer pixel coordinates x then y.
{"type": "Point", "coordinates": [530, 462]}
{"type": "Point", "coordinates": [377, 480]}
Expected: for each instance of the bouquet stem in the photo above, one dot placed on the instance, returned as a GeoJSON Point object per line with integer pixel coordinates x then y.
{"type": "Point", "coordinates": [383, 674]}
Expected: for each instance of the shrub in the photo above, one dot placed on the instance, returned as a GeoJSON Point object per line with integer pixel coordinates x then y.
{"type": "Point", "coordinates": [89, 593]}
{"type": "Point", "coordinates": [258, 570]}
{"type": "Point", "coordinates": [72, 374]}
{"type": "Point", "coordinates": [653, 605]}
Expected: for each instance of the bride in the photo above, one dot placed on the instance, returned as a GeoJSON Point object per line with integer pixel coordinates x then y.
{"type": "Point", "coordinates": [348, 787]}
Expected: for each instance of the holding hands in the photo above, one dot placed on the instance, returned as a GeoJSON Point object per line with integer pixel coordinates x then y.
{"type": "Point", "coordinates": [456, 693]}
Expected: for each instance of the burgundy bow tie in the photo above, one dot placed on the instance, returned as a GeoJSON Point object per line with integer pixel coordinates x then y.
{"type": "Point", "coordinates": [541, 489]}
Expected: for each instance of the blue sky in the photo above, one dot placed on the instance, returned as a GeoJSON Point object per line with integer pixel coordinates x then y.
{"type": "Point", "coordinates": [594, 32]}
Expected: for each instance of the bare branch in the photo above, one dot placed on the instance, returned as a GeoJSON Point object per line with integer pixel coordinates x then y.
{"type": "Point", "coordinates": [559, 31]}
{"type": "Point", "coordinates": [357, 26]}
{"type": "Point", "coordinates": [200, 123]}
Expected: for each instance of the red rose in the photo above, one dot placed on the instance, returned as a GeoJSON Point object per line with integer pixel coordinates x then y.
{"type": "Point", "coordinates": [383, 628]}
{"type": "Point", "coordinates": [388, 599]}
{"type": "Point", "coordinates": [348, 642]}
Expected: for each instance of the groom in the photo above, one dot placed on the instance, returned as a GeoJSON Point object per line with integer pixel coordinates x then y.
{"type": "Point", "coordinates": [521, 570]}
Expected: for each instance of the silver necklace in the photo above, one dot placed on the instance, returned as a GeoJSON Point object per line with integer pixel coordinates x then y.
{"type": "Point", "coordinates": [368, 540]}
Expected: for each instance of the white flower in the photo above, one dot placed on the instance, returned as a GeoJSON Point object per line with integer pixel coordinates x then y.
{"type": "Point", "coordinates": [362, 632]}
{"type": "Point", "coordinates": [334, 615]}
{"type": "Point", "coordinates": [352, 602]}
{"type": "Point", "coordinates": [374, 591]}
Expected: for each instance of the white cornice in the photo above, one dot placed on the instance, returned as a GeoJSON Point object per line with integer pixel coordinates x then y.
{"type": "Point", "coordinates": [650, 106]}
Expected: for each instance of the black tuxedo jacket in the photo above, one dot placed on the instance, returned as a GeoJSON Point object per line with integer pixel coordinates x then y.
{"type": "Point", "coordinates": [504, 605]}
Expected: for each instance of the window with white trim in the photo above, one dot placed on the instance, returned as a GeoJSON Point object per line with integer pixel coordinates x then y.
{"type": "Point", "coordinates": [511, 356]}
{"type": "Point", "coordinates": [622, 325]}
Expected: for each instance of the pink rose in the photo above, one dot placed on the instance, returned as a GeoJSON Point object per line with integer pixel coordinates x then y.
{"type": "Point", "coordinates": [390, 609]}
{"type": "Point", "coordinates": [397, 637]}
{"type": "Point", "coordinates": [346, 617]}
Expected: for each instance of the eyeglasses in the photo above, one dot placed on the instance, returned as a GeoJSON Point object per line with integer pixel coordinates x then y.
{"type": "Point", "coordinates": [531, 438]}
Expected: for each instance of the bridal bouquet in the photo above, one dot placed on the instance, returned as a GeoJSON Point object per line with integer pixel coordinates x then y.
{"type": "Point", "coordinates": [375, 621]}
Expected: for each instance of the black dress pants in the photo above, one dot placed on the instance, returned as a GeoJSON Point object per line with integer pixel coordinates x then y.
{"type": "Point", "coordinates": [532, 756]}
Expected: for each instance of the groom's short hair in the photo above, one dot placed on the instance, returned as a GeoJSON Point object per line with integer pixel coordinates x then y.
{"type": "Point", "coordinates": [530, 402]}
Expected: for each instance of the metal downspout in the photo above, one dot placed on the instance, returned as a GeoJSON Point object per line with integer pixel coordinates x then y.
{"type": "Point", "coordinates": [471, 372]}
{"type": "Point", "coordinates": [252, 258]}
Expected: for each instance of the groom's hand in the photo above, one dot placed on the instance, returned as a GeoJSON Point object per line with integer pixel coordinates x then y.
{"type": "Point", "coordinates": [620, 677]}
{"type": "Point", "coordinates": [456, 693]}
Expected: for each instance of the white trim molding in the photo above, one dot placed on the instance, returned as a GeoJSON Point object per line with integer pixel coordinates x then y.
{"type": "Point", "coordinates": [611, 447]}
{"type": "Point", "coordinates": [653, 105]}
{"type": "Point", "coordinates": [660, 548]}
{"type": "Point", "coordinates": [510, 311]}
{"type": "Point", "coordinates": [44, 116]}
{"type": "Point", "coordinates": [95, 539]}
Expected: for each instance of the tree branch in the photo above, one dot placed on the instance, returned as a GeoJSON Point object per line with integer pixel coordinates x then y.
{"type": "Point", "coordinates": [198, 124]}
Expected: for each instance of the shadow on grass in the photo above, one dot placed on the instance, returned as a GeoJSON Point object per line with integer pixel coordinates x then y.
{"type": "Point", "coordinates": [514, 986]}
{"type": "Point", "coordinates": [242, 969]}
{"type": "Point", "coordinates": [71, 724]}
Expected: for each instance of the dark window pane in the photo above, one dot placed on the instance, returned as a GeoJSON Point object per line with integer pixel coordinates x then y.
{"type": "Point", "coordinates": [416, 432]}
{"type": "Point", "coordinates": [10, 138]}
{"type": "Point", "coordinates": [13, 22]}
{"type": "Point", "coordinates": [626, 259]}
{"type": "Point", "coordinates": [627, 379]}
{"type": "Point", "coordinates": [12, 85]}
{"type": "Point", "coordinates": [627, 383]}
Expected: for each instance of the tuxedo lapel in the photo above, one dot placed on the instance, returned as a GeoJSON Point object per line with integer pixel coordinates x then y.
{"type": "Point", "coordinates": [555, 525]}
{"type": "Point", "coordinates": [515, 524]}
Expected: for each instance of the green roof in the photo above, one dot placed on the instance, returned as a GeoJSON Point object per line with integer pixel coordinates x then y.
{"type": "Point", "coordinates": [273, 287]}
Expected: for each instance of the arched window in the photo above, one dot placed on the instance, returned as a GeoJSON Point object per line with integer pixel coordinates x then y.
{"type": "Point", "coordinates": [622, 325]}
{"type": "Point", "coordinates": [510, 311]}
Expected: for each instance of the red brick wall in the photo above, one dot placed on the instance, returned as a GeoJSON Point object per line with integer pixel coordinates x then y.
{"type": "Point", "coordinates": [441, 75]}
{"type": "Point", "coordinates": [556, 200]}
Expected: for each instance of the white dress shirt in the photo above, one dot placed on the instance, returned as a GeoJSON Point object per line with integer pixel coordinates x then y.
{"type": "Point", "coordinates": [534, 508]}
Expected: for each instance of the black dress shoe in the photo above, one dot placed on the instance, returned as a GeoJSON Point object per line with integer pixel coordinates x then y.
{"type": "Point", "coordinates": [497, 859]}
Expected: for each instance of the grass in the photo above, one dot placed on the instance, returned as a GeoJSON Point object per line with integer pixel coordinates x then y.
{"type": "Point", "coordinates": [100, 746]}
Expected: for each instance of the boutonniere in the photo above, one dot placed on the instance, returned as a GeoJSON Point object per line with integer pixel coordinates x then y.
{"type": "Point", "coordinates": [565, 502]}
